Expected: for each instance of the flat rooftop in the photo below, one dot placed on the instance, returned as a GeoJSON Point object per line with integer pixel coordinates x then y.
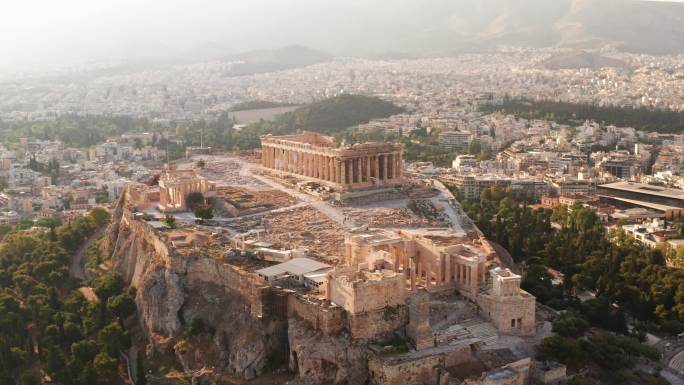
{"type": "Point", "coordinates": [295, 266]}
{"type": "Point", "coordinates": [647, 189]}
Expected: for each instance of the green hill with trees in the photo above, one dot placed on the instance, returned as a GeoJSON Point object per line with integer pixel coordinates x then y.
{"type": "Point", "coordinates": [46, 325]}
{"type": "Point", "coordinates": [330, 116]}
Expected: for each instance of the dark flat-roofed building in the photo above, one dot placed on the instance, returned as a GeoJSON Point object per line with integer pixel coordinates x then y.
{"type": "Point", "coordinates": [669, 201]}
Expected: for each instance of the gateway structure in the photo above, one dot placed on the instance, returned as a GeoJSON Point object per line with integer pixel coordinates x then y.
{"type": "Point", "coordinates": [351, 167]}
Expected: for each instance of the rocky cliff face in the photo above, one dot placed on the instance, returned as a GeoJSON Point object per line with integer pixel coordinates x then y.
{"type": "Point", "coordinates": [246, 330]}
{"type": "Point", "coordinates": [174, 290]}
{"type": "Point", "coordinates": [320, 359]}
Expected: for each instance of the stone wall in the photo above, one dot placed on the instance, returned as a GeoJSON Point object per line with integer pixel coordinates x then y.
{"type": "Point", "coordinates": [420, 369]}
{"type": "Point", "coordinates": [366, 295]}
{"type": "Point", "coordinates": [329, 320]}
{"type": "Point", "coordinates": [378, 323]}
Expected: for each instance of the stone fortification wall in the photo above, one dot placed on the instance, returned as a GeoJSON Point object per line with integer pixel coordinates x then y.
{"type": "Point", "coordinates": [329, 320]}
{"type": "Point", "coordinates": [421, 369]}
{"type": "Point", "coordinates": [378, 324]}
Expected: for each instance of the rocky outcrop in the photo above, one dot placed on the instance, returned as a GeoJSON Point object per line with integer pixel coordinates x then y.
{"type": "Point", "coordinates": [173, 290]}
{"type": "Point", "coordinates": [321, 359]}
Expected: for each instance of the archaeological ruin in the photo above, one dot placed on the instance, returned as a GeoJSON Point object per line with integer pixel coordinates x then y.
{"type": "Point", "coordinates": [318, 157]}
{"type": "Point", "coordinates": [175, 185]}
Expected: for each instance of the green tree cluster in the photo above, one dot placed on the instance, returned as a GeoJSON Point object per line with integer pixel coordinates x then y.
{"type": "Point", "coordinates": [45, 324]}
{"type": "Point", "coordinates": [627, 278]}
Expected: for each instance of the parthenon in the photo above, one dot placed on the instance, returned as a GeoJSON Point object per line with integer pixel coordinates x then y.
{"type": "Point", "coordinates": [318, 157]}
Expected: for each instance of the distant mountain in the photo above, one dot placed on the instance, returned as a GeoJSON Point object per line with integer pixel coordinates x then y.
{"type": "Point", "coordinates": [581, 59]}
{"type": "Point", "coordinates": [630, 25]}
{"type": "Point", "coordinates": [263, 61]}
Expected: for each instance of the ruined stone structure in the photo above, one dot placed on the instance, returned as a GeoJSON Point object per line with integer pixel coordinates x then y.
{"type": "Point", "coordinates": [364, 291]}
{"type": "Point", "coordinates": [510, 309]}
{"type": "Point", "coordinates": [437, 261]}
{"type": "Point", "coordinates": [432, 259]}
{"type": "Point", "coordinates": [418, 329]}
{"type": "Point", "coordinates": [352, 167]}
{"type": "Point", "coordinates": [175, 185]}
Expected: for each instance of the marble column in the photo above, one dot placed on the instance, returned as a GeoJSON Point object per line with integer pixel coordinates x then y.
{"type": "Point", "coordinates": [359, 169]}
{"type": "Point", "coordinates": [447, 269]}
{"type": "Point", "coordinates": [343, 171]}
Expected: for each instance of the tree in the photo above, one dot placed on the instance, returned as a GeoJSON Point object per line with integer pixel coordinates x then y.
{"type": "Point", "coordinates": [109, 285]}
{"type": "Point", "coordinates": [561, 349]}
{"type": "Point", "coordinates": [570, 324]}
{"type": "Point", "coordinates": [114, 339]}
{"type": "Point", "coordinates": [194, 200]}
{"type": "Point", "coordinates": [170, 221]}
{"type": "Point", "coordinates": [121, 305]}
{"type": "Point", "coordinates": [99, 215]}
{"type": "Point", "coordinates": [105, 367]}
{"type": "Point", "coordinates": [204, 212]}
{"type": "Point", "coordinates": [84, 351]}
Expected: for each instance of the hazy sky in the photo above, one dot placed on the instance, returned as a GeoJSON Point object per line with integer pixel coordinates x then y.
{"type": "Point", "coordinates": [47, 33]}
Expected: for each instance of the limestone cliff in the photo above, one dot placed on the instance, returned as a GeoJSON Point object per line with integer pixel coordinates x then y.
{"type": "Point", "coordinates": [174, 289]}
{"type": "Point", "coordinates": [321, 359]}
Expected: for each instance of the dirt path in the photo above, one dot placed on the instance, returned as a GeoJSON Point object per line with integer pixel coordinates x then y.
{"type": "Point", "coordinates": [78, 259]}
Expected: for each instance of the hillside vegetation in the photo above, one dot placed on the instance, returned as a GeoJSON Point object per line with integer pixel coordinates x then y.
{"type": "Point", "coordinates": [330, 116]}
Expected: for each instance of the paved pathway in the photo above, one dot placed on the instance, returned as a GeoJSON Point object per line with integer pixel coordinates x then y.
{"type": "Point", "coordinates": [334, 213]}
{"type": "Point", "coordinates": [442, 201]}
{"type": "Point", "coordinates": [671, 377]}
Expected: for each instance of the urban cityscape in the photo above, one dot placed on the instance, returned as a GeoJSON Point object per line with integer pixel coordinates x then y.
{"type": "Point", "coordinates": [509, 215]}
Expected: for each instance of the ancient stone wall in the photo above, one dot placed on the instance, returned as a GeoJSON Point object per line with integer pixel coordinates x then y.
{"type": "Point", "coordinates": [374, 292]}
{"type": "Point", "coordinates": [418, 370]}
{"type": "Point", "coordinates": [329, 320]}
{"type": "Point", "coordinates": [378, 323]}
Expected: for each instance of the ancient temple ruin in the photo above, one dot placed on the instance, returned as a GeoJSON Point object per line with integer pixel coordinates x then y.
{"type": "Point", "coordinates": [175, 185]}
{"type": "Point", "coordinates": [351, 167]}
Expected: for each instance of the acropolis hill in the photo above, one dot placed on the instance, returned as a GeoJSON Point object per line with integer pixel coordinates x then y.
{"type": "Point", "coordinates": [298, 272]}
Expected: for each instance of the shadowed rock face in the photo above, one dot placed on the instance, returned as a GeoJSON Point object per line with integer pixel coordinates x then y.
{"type": "Point", "coordinates": [173, 290]}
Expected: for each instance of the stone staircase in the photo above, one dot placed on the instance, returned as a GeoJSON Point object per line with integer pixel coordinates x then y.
{"type": "Point", "coordinates": [677, 362]}
{"type": "Point", "coordinates": [482, 330]}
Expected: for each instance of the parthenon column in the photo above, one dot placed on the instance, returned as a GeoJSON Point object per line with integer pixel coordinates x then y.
{"type": "Point", "coordinates": [359, 170]}
{"type": "Point", "coordinates": [376, 167]}
{"type": "Point", "coordinates": [385, 164]}
{"type": "Point", "coordinates": [331, 169]}
{"type": "Point", "coordinates": [447, 269]}
{"type": "Point", "coordinates": [300, 163]}
{"type": "Point", "coordinates": [369, 168]}
{"type": "Point", "coordinates": [343, 172]}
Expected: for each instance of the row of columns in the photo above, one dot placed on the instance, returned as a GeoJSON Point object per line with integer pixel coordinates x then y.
{"type": "Point", "coordinates": [447, 272]}
{"type": "Point", "coordinates": [347, 171]}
